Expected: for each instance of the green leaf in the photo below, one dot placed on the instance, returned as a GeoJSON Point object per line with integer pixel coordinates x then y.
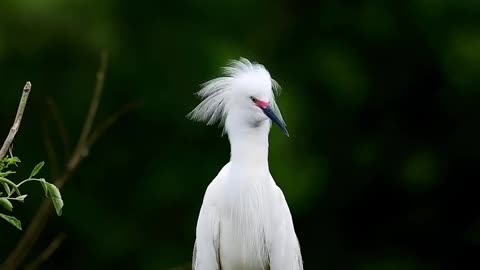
{"type": "Point", "coordinates": [11, 161]}
{"type": "Point", "coordinates": [13, 185]}
{"type": "Point", "coordinates": [12, 220]}
{"type": "Point", "coordinates": [21, 198]}
{"type": "Point", "coordinates": [56, 197]}
{"type": "Point", "coordinates": [37, 168]}
{"type": "Point", "coordinates": [6, 187]}
{"type": "Point", "coordinates": [6, 203]}
{"type": "Point", "coordinates": [44, 185]}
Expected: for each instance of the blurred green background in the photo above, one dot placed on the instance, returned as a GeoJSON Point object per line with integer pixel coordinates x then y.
{"type": "Point", "coordinates": [381, 99]}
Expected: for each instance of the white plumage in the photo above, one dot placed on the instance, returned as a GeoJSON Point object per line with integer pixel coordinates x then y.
{"type": "Point", "coordinates": [244, 222]}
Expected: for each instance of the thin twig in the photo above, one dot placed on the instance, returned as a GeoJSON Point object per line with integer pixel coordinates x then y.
{"type": "Point", "coordinates": [52, 107]}
{"type": "Point", "coordinates": [18, 120]}
{"type": "Point", "coordinates": [51, 248]}
{"type": "Point", "coordinates": [81, 150]}
{"type": "Point", "coordinates": [105, 125]}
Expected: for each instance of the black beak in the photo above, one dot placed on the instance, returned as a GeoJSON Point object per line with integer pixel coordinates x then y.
{"type": "Point", "coordinates": [275, 119]}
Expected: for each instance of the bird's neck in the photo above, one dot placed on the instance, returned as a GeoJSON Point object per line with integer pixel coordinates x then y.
{"type": "Point", "coordinates": [249, 144]}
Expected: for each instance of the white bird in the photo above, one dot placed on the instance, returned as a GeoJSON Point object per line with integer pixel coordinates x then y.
{"type": "Point", "coordinates": [244, 222]}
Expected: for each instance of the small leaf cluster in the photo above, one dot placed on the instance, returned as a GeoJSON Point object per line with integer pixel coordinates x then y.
{"type": "Point", "coordinates": [11, 190]}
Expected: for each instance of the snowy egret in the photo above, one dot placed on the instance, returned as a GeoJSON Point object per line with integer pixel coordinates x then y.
{"type": "Point", "coordinates": [244, 222]}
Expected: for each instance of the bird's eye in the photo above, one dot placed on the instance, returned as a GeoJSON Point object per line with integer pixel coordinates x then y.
{"type": "Point", "coordinates": [253, 99]}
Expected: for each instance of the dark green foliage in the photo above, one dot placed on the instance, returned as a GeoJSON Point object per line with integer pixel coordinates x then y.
{"type": "Point", "coordinates": [381, 99]}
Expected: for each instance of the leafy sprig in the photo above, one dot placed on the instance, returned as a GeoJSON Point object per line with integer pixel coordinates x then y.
{"type": "Point", "coordinates": [11, 190]}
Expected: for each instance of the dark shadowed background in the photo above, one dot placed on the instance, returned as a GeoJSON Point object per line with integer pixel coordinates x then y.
{"type": "Point", "coordinates": [381, 100]}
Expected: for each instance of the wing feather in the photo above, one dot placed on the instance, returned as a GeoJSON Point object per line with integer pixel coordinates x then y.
{"type": "Point", "coordinates": [206, 252]}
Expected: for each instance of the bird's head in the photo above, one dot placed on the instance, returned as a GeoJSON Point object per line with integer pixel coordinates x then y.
{"type": "Point", "coordinates": [245, 94]}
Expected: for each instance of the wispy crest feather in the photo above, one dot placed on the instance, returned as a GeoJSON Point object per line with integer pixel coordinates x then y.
{"type": "Point", "coordinates": [215, 93]}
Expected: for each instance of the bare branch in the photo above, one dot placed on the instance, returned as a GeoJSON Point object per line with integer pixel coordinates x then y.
{"type": "Point", "coordinates": [52, 107]}
{"type": "Point", "coordinates": [18, 120]}
{"type": "Point", "coordinates": [105, 125]}
{"type": "Point", "coordinates": [80, 150]}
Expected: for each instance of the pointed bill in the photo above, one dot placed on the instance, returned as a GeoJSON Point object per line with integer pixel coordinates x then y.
{"type": "Point", "coordinates": [272, 112]}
